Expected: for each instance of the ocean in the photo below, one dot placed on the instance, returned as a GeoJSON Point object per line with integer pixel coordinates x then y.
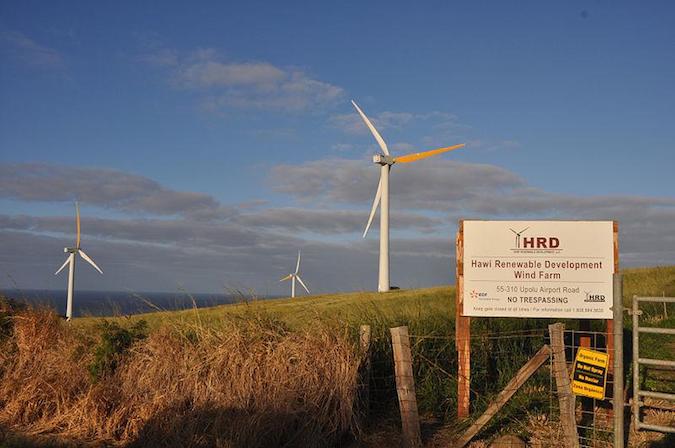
{"type": "Point", "coordinates": [116, 303]}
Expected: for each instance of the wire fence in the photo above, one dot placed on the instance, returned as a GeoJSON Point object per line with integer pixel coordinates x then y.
{"type": "Point", "coordinates": [496, 357]}
{"type": "Point", "coordinates": [594, 417]}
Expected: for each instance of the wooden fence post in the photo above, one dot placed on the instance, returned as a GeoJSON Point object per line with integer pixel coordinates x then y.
{"type": "Point", "coordinates": [505, 395]}
{"type": "Point", "coordinates": [562, 381]}
{"type": "Point", "coordinates": [462, 331]}
{"type": "Point", "coordinates": [405, 387]}
{"type": "Point", "coordinates": [364, 342]}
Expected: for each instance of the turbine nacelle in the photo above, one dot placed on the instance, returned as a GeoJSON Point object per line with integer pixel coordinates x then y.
{"type": "Point", "coordinates": [383, 159]}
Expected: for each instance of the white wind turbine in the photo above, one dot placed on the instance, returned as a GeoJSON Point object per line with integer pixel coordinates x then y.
{"type": "Point", "coordinates": [70, 261]}
{"type": "Point", "coordinates": [385, 160]}
{"type": "Point", "coordinates": [293, 276]}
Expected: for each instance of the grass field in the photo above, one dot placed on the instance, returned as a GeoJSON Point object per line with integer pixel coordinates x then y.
{"type": "Point", "coordinates": [285, 370]}
{"type": "Point", "coordinates": [359, 307]}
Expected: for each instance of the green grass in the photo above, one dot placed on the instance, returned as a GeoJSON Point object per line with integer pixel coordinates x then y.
{"type": "Point", "coordinates": [401, 306]}
{"type": "Point", "coordinates": [351, 308]}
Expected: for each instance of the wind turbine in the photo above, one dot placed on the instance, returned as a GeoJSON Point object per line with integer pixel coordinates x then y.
{"type": "Point", "coordinates": [293, 276]}
{"type": "Point", "coordinates": [385, 160]}
{"type": "Point", "coordinates": [518, 235]}
{"type": "Point", "coordinates": [70, 261]}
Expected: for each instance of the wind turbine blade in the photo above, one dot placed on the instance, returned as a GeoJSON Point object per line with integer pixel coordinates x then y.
{"type": "Point", "coordinates": [297, 266]}
{"type": "Point", "coordinates": [77, 220]}
{"type": "Point", "coordinates": [303, 284]}
{"type": "Point", "coordinates": [513, 231]}
{"type": "Point", "coordinates": [288, 277]}
{"type": "Point", "coordinates": [64, 264]}
{"type": "Point", "coordinates": [423, 155]}
{"type": "Point", "coordinates": [376, 202]}
{"type": "Point", "coordinates": [373, 131]}
{"type": "Point", "coordinates": [89, 260]}
{"type": "Point", "coordinates": [523, 230]}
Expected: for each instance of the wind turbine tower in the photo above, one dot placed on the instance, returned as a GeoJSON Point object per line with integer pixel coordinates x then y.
{"type": "Point", "coordinates": [385, 160]}
{"type": "Point", "coordinates": [70, 261]}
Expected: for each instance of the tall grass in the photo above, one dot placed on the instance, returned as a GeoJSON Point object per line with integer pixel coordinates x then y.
{"type": "Point", "coordinates": [249, 382]}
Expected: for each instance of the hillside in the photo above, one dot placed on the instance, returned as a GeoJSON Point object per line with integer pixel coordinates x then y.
{"type": "Point", "coordinates": [359, 307]}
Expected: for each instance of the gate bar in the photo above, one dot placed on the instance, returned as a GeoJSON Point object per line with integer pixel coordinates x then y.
{"type": "Point", "coordinates": [659, 395]}
{"type": "Point", "coordinates": [657, 330]}
{"type": "Point", "coordinates": [657, 428]}
{"type": "Point", "coordinates": [656, 362]}
{"type": "Point", "coordinates": [656, 299]}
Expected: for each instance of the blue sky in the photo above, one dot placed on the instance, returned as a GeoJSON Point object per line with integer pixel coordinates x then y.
{"type": "Point", "coordinates": [208, 143]}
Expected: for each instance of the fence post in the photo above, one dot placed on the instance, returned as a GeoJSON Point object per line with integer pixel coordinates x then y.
{"type": "Point", "coordinates": [618, 361]}
{"type": "Point", "coordinates": [562, 381]}
{"type": "Point", "coordinates": [364, 342]}
{"type": "Point", "coordinates": [405, 387]}
{"type": "Point", "coordinates": [462, 331]}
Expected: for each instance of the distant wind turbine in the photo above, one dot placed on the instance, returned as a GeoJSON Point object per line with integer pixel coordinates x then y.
{"type": "Point", "coordinates": [70, 261]}
{"type": "Point", "coordinates": [385, 160]}
{"type": "Point", "coordinates": [293, 276]}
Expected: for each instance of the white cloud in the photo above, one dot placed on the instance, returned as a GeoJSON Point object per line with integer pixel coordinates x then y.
{"type": "Point", "coordinates": [253, 244]}
{"type": "Point", "coordinates": [102, 187]}
{"type": "Point", "coordinates": [351, 123]}
{"type": "Point", "coordinates": [29, 52]}
{"type": "Point", "coordinates": [222, 83]}
{"type": "Point", "coordinates": [342, 147]}
{"type": "Point", "coordinates": [206, 74]}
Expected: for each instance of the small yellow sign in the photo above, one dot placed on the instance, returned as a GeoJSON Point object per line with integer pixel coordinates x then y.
{"type": "Point", "coordinates": [589, 376]}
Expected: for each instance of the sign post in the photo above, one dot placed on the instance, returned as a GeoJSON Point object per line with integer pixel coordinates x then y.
{"type": "Point", "coordinates": [462, 333]}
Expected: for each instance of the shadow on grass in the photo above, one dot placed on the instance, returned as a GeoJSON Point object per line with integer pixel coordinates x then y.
{"type": "Point", "coordinates": [10, 439]}
{"type": "Point", "coordinates": [206, 426]}
{"type": "Point", "coordinates": [667, 442]}
{"type": "Point", "coordinates": [214, 426]}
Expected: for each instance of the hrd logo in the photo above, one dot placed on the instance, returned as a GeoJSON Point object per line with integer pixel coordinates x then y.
{"type": "Point", "coordinates": [535, 243]}
{"type": "Point", "coordinates": [594, 297]}
{"type": "Point", "coordinates": [541, 242]}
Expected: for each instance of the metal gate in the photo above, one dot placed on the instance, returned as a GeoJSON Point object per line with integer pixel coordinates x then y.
{"type": "Point", "coordinates": [638, 393]}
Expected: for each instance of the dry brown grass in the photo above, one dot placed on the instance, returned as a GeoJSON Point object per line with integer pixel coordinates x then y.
{"type": "Point", "coordinates": [249, 383]}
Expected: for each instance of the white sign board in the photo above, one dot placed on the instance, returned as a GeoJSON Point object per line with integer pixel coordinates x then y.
{"type": "Point", "coordinates": [556, 269]}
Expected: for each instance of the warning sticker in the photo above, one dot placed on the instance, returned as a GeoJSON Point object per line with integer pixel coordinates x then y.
{"type": "Point", "coordinates": [589, 376]}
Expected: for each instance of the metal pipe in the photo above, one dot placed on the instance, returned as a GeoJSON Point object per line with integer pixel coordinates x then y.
{"type": "Point", "coordinates": [657, 428]}
{"type": "Point", "coordinates": [617, 311]}
{"type": "Point", "coordinates": [657, 330]}
{"type": "Point", "coordinates": [656, 362]}
{"type": "Point", "coordinates": [636, 365]}
{"type": "Point", "coordinates": [659, 395]}
{"type": "Point", "coordinates": [657, 299]}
